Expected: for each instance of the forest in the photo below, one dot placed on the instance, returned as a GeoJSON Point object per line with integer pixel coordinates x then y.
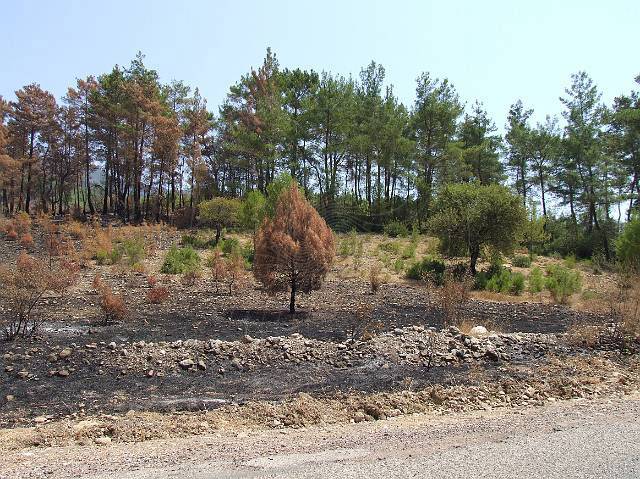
{"type": "Point", "coordinates": [123, 143]}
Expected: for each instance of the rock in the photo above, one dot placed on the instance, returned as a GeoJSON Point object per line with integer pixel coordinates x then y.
{"type": "Point", "coordinates": [112, 345]}
{"type": "Point", "coordinates": [359, 416]}
{"type": "Point", "coordinates": [150, 373]}
{"type": "Point", "coordinates": [65, 353]}
{"type": "Point", "coordinates": [478, 331]}
{"type": "Point", "coordinates": [398, 331]}
{"type": "Point", "coordinates": [102, 441]}
{"type": "Point", "coordinates": [53, 357]}
{"type": "Point", "coordinates": [492, 354]}
{"type": "Point", "coordinates": [236, 364]}
{"type": "Point", "coordinates": [202, 365]}
{"type": "Point", "coordinates": [186, 363]}
{"type": "Point", "coordinates": [91, 346]}
{"type": "Point", "coordinates": [40, 419]}
{"type": "Point", "coordinates": [10, 397]}
{"type": "Point", "coordinates": [24, 374]}
{"type": "Point", "coordinates": [246, 339]}
{"type": "Point", "coordinates": [63, 373]}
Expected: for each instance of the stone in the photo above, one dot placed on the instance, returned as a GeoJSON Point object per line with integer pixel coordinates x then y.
{"type": "Point", "coordinates": [10, 397]}
{"type": "Point", "coordinates": [102, 441]}
{"type": "Point", "coordinates": [236, 364]}
{"type": "Point", "coordinates": [478, 331]}
{"type": "Point", "coordinates": [65, 353]}
{"type": "Point", "coordinates": [24, 374]}
{"type": "Point", "coordinates": [202, 365]}
{"type": "Point", "coordinates": [246, 339]}
{"type": "Point", "coordinates": [186, 363]}
{"type": "Point", "coordinates": [492, 354]}
{"type": "Point", "coordinates": [112, 345]}
{"type": "Point", "coordinates": [63, 373]}
{"type": "Point", "coordinates": [150, 373]}
{"type": "Point", "coordinates": [359, 416]}
{"type": "Point", "coordinates": [40, 419]}
{"type": "Point", "coordinates": [53, 357]}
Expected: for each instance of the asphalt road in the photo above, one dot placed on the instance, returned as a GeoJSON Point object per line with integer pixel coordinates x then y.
{"type": "Point", "coordinates": [575, 439]}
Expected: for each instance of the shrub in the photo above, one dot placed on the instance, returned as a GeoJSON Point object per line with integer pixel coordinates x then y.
{"type": "Point", "coordinates": [570, 261]}
{"type": "Point", "coordinates": [453, 296]}
{"type": "Point", "coordinates": [628, 246]}
{"type": "Point", "coordinates": [521, 261]}
{"type": "Point", "coordinates": [152, 281]}
{"type": "Point", "coordinates": [429, 269]}
{"type": "Point", "coordinates": [409, 251]}
{"type": "Point", "coordinates": [133, 249]}
{"type": "Point", "coordinates": [112, 305]}
{"type": "Point", "coordinates": [196, 241]}
{"type": "Point", "coordinates": [536, 280]}
{"type": "Point", "coordinates": [374, 279]}
{"type": "Point", "coordinates": [11, 233]}
{"type": "Point", "coordinates": [235, 272]}
{"type": "Point", "coordinates": [398, 266]}
{"type": "Point", "coordinates": [22, 223]}
{"type": "Point", "coordinates": [180, 261]}
{"type": "Point", "coordinates": [26, 241]}
{"type": "Point", "coordinates": [396, 229]}
{"type": "Point", "coordinates": [190, 277]}
{"type": "Point", "coordinates": [349, 244]}
{"type": "Point", "coordinates": [230, 245]}
{"type": "Point", "coordinates": [157, 295]}
{"type": "Point", "coordinates": [562, 282]}
{"type": "Point", "coordinates": [390, 247]}
{"type": "Point", "coordinates": [76, 230]}
{"type": "Point", "coordinates": [517, 283]}
{"type": "Point", "coordinates": [218, 268]}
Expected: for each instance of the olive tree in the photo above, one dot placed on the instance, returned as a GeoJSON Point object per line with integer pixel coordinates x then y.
{"type": "Point", "coordinates": [469, 217]}
{"type": "Point", "coordinates": [220, 213]}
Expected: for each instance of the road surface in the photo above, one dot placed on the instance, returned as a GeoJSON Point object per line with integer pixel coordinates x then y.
{"type": "Point", "coordinates": [573, 439]}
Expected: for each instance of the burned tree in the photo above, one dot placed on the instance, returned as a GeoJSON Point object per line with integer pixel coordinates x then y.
{"type": "Point", "coordinates": [294, 249]}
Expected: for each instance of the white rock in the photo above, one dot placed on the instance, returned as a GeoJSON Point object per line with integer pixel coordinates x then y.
{"type": "Point", "coordinates": [478, 331]}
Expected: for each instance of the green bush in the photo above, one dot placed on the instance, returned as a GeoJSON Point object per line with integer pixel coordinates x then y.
{"type": "Point", "coordinates": [102, 257]}
{"type": "Point", "coordinates": [390, 247]}
{"type": "Point", "coordinates": [409, 251]}
{"type": "Point", "coordinates": [562, 282]}
{"type": "Point", "coordinates": [396, 229]}
{"type": "Point", "coordinates": [521, 261]}
{"type": "Point", "coordinates": [133, 249]}
{"type": "Point", "coordinates": [570, 261]}
{"type": "Point", "coordinates": [506, 282]}
{"type": "Point", "coordinates": [197, 242]}
{"type": "Point", "coordinates": [180, 261]}
{"type": "Point", "coordinates": [536, 280]}
{"type": "Point", "coordinates": [350, 245]}
{"type": "Point", "coordinates": [230, 245]}
{"type": "Point", "coordinates": [398, 266]}
{"type": "Point", "coordinates": [517, 283]}
{"type": "Point", "coordinates": [628, 246]}
{"type": "Point", "coordinates": [429, 268]}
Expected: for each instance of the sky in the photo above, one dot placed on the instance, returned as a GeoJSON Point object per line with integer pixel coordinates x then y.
{"type": "Point", "coordinates": [492, 51]}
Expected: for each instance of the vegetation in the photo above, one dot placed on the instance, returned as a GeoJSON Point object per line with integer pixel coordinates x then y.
{"type": "Point", "coordinates": [180, 261]}
{"type": "Point", "coordinates": [562, 282]}
{"type": "Point", "coordinates": [21, 291]}
{"type": "Point", "coordinates": [428, 269]}
{"type": "Point", "coordinates": [536, 280]}
{"type": "Point", "coordinates": [521, 261]}
{"type": "Point", "coordinates": [294, 249]}
{"type": "Point", "coordinates": [628, 246]}
{"type": "Point", "coordinates": [363, 158]}
{"type": "Point", "coordinates": [470, 217]}
{"type": "Point", "coordinates": [220, 213]}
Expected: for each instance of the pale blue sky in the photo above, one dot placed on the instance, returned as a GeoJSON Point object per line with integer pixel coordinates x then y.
{"type": "Point", "coordinates": [493, 51]}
